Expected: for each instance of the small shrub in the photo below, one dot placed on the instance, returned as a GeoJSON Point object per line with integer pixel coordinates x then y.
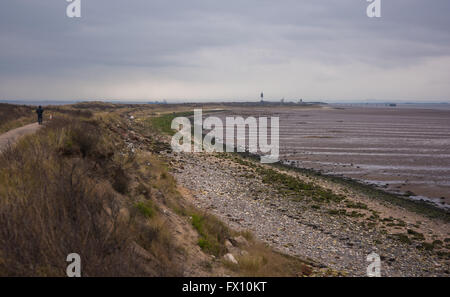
{"type": "Point", "coordinates": [212, 233]}
{"type": "Point", "coordinates": [358, 205]}
{"type": "Point", "coordinates": [438, 242]}
{"type": "Point", "coordinates": [337, 212]}
{"type": "Point", "coordinates": [416, 235]}
{"type": "Point", "coordinates": [355, 214]}
{"type": "Point", "coordinates": [120, 180]}
{"type": "Point", "coordinates": [403, 238]}
{"type": "Point", "coordinates": [146, 209]}
{"type": "Point", "coordinates": [427, 246]}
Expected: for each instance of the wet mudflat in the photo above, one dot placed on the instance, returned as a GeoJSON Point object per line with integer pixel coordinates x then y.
{"type": "Point", "coordinates": [404, 150]}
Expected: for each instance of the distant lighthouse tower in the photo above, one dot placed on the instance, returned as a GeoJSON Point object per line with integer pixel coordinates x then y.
{"type": "Point", "coordinates": [262, 97]}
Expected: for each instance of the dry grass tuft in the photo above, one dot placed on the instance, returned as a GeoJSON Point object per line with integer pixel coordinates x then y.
{"type": "Point", "coordinates": [57, 198]}
{"type": "Point", "coordinates": [14, 116]}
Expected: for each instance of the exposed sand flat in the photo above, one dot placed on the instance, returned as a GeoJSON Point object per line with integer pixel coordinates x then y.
{"type": "Point", "coordinates": [400, 149]}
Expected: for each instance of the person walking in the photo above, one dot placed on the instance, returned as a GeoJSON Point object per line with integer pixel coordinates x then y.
{"type": "Point", "coordinates": [40, 112]}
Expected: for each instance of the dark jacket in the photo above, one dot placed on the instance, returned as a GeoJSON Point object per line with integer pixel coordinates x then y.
{"type": "Point", "coordinates": [40, 111]}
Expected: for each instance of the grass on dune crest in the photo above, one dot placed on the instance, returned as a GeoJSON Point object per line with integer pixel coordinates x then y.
{"type": "Point", "coordinates": [14, 116]}
{"type": "Point", "coordinates": [52, 204]}
{"type": "Point", "coordinates": [65, 190]}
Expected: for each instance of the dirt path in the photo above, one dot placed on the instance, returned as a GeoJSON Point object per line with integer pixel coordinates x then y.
{"type": "Point", "coordinates": [12, 136]}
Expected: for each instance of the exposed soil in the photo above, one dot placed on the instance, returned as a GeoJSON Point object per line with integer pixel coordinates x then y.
{"type": "Point", "coordinates": [12, 136]}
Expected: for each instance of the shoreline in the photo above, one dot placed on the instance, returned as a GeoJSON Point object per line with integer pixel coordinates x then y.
{"type": "Point", "coordinates": [238, 197]}
{"type": "Point", "coordinates": [420, 200]}
{"type": "Point", "coordinates": [422, 205]}
{"type": "Point", "coordinates": [336, 235]}
{"type": "Point", "coordinates": [402, 150]}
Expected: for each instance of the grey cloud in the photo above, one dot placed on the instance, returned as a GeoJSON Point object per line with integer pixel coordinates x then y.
{"type": "Point", "coordinates": [189, 40]}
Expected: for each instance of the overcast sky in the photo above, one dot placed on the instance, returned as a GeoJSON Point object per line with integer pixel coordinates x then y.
{"type": "Point", "coordinates": [225, 50]}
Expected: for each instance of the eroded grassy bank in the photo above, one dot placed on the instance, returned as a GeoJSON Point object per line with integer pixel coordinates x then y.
{"type": "Point", "coordinates": [95, 183]}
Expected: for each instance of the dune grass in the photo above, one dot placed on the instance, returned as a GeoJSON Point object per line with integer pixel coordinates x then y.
{"type": "Point", "coordinates": [14, 116]}
{"type": "Point", "coordinates": [60, 193]}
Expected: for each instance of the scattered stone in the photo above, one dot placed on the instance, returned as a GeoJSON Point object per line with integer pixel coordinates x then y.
{"type": "Point", "coordinates": [228, 244]}
{"type": "Point", "coordinates": [240, 241]}
{"type": "Point", "coordinates": [229, 257]}
{"type": "Point", "coordinates": [244, 253]}
{"type": "Point", "coordinates": [294, 227]}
